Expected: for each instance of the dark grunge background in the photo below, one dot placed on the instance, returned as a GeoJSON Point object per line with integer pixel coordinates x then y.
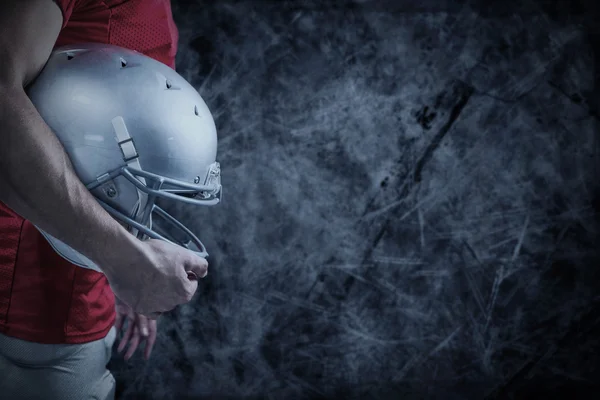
{"type": "Point", "coordinates": [411, 203]}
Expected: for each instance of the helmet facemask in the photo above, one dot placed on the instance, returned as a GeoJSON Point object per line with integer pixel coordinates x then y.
{"type": "Point", "coordinates": [148, 220]}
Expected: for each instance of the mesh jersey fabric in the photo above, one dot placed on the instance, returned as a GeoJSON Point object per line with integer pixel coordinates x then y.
{"type": "Point", "coordinates": [44, 298]}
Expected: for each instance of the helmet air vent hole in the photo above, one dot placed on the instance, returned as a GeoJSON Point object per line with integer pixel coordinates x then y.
{"type": "Point", "coordinates": [169, 84]}
{"type": "Point", "coordinates": [70, 56]}
{"type": "Point", "coordinates": [123, 63]}
{"type": "Point", "coordinates": [196, 110]}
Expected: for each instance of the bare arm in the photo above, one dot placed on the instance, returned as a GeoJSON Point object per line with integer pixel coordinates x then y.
{"type": "Point", "coordinates": [36, 177]}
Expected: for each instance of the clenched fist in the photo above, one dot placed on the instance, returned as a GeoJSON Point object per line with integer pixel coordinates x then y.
{"type": "Point", "coordinates": [156, 277]}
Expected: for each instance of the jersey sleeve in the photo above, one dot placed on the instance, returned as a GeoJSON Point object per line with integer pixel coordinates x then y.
{"type": "Point", "coordinates": [66, 7]}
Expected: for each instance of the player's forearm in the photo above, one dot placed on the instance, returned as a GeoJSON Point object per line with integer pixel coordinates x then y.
{"type": "Point", "coordinates": [38, 182]}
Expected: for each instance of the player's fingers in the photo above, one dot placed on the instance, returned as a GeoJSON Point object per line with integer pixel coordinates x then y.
{"type": "Point", "coordinates": [151, 339]}
{"type": "Point", "coordinates": [196, 267]}
{"type": "Point", "coordinates": [127, 335]}
{"type": "Point", "coordinates": [119, 322]}
{"type": "Point", "coordinates": [133, 343]}
{"type": "Point", "coordinates": [142, 323]}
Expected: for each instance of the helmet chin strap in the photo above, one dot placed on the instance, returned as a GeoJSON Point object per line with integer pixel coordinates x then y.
{"type": "Point", "coordinates": [138, 215]}
{"type": "Point", "coordinates": [144, 214]}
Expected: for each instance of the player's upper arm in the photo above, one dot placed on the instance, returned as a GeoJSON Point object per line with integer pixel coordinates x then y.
{"type": "Point", "coordinates": [28, 32]}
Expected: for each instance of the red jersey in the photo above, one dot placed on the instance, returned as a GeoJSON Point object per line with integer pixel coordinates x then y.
{"type": "Point", "coordinates": [43, 297]}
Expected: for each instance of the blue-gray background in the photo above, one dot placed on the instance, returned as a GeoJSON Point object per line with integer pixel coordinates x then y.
{"type": "Point", "coordinates": [411, 202]}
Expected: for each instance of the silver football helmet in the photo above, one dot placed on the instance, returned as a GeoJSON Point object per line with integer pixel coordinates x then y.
{"type": "Point", "coordinates": [135, 131]}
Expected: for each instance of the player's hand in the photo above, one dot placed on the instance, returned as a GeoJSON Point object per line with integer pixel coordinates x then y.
{"type": "Point", "coordinates": [135, 329]}
{"type": "Point", "coordinates": [156, 277]}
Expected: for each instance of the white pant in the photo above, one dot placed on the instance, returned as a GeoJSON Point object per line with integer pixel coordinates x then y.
{"type": "Point", "coordinates": [34, 371]}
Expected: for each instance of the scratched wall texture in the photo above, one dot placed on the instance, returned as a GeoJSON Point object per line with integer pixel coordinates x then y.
{"type": "Point", "coordinates": [411, 203]}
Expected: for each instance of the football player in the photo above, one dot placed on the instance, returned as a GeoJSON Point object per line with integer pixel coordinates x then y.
{"type": "Point", "coordinates": [95, 127]}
